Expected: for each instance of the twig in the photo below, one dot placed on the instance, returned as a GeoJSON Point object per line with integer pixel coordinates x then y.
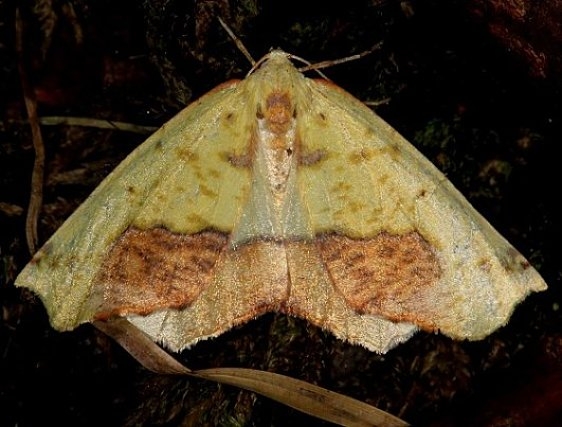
{"type": "Point", "coordinates": [378, 103]}
{"type": "Point", "coordinates": [36, 196]}
{"type": "Point", "coordinates": [308, 398]}
{"type": "Point", "coordinates": [96, 123]}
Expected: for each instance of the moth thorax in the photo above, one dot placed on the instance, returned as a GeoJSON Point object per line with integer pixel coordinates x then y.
{"type": "Point", "coordinates": [276, 137]}
{"type": "Point", "coordinates": [278, 152]}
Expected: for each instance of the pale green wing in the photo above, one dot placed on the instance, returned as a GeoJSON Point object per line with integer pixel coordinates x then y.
{"type": "Point", "coordinates": [183, 178]}
{"type": "Point", "coordinates": [398, 240]}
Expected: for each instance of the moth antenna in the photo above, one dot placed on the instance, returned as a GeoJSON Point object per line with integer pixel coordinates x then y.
{"type": "Point", "coordinates": [309, 66]}
{"type": "Point", "coordinates": [324, 64]}
{"type": "Point", "coordinates": [290, 56]}
{"type": "Point", "coordinates": [238, 43]}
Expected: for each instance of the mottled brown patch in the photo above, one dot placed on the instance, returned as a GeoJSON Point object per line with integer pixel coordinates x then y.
{"type": "Point", "coordinates": [383, 179]}
{"type": "Point", "coordinates": [485, 264]}
{"type": "Point", "coordinates": [388, 267]}
{"type": "Point", "coordinates": [148, 270]}
{"type": "Point", "coordinates": [229, 117]}
{"type": "Point", "coordinates": [312, 157]}
{"type": "Point", "coordinates": [513, 261]}
{"type": "Point", "coordinates": [355, 207]}
{"type": "Point", "coordinates": [186, 155]}
{"type": "Point", "coordinates": [340, 187]}
{"type": "Point", "coordinates": [278, 112]}
{"type": "Point", "coordinates": [206, 191]}
{"type": "Point", "coordinates": [238, 161]}
{"type": "Point", "coordinates": [362, 155]}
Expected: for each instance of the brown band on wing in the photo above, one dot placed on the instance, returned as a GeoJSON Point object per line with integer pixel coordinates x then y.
{"type": "Point", "coordinates": [384, 270]}
{"type": "Point", "coordinates": [148, 270]}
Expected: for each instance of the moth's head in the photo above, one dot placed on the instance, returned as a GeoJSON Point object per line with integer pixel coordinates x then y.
{"type": "Point", "coordinates": [274, 84]}
{"type": "Point", "coordinates": [276, 69]}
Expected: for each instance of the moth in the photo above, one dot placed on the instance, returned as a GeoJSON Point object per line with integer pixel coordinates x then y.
{"type": "Point", "coordinates": [280, 193]}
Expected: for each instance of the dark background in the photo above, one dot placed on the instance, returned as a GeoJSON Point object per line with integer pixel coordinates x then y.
{"type": "Point", "coordinates": [475, 85]}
